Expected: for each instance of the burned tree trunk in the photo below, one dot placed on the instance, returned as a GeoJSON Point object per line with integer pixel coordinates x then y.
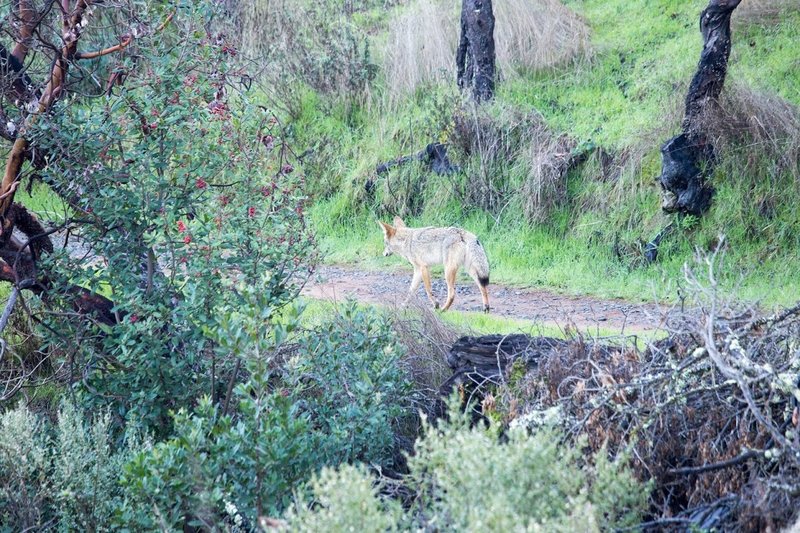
{"type": "Point", "coordinates": [688, 158]}
{"type": "Point", "coordinates": [475, 56]}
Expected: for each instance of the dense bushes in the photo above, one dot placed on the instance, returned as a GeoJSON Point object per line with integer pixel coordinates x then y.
{"type": "Point", "coordinates": [332, 397]}
{"type": "Point", "coordinates": [332, 400]}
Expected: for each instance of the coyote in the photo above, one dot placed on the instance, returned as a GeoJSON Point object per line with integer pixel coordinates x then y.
{"type": "Point", "coordinates": [451, 247]}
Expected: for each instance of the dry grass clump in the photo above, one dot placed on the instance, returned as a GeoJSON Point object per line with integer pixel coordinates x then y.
{"type": "Point", "coordinates": [763, 127]}
{"type": "Point", "coordinates": [421, 47]}
{"type": "Point", "coordinates": [529, 35]}
{"type": "Point", "coordinates": [762, 11]}
{"type": "Point", "coordinates": [519, 143]}
{"type": "Point", "coordinates": [426, 340]}
{"type": "Point", "coordinates": [547, 159]}
{"type": "Point", "coordinates": [536, 34]}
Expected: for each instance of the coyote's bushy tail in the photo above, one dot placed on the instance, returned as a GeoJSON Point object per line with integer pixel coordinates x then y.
{"type": "Point", "coordinates": [477, 262]}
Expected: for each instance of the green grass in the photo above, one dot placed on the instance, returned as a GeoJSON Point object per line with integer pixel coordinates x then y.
{"type": "Point", "coordinates": [317, 312]}
{"type": "Point", "coordinates": [626, 98]}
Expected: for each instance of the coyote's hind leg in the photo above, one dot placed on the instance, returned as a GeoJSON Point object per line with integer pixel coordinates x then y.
{"type": "Point", "coordinates": [483, 284]}
{"type": "Point", "coordinates": [450, 278]}
{"type": "Point", "coordinates": [426, 279]}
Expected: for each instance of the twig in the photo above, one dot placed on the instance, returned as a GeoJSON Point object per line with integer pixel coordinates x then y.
{"type": "Point", "coordinates": [689, 470]}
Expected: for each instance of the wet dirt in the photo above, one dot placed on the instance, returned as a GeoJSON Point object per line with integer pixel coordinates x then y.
{"type": "Point", "coordinates": [389, 288]}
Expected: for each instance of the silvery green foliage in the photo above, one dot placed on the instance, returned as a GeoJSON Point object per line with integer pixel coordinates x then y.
{"type": "Point", "coordinates": [23, 471]}
{"type": "Point", "coordinates": [345, 500]}
{"type": "Point", "coordinates": [63, 477]}
{"type": "Point", "coordinates": [532, 482]}
{"type": "Point", "coordinates": [466, 479]}
{"type": "Point", "coordinates": [85, 472]}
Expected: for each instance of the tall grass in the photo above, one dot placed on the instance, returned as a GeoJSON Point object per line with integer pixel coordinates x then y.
{"type": "Point", "coordinates": [763, 127]}
{"type": "Point", "coordinates": [421, 47]}
{"type": "Point", "coordinates": [536, 34]}
{"type": "Point", "coordinates": [762, 11]}
{"type": "Point", "coordinates": [529, 35]}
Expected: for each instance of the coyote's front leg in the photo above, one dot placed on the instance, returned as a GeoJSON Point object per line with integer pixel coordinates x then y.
{"type": "Point", "coordinates": [414, 284]}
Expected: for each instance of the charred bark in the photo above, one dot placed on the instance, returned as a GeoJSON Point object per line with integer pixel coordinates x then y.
{"type": "Point", "coordinates": [688, 158]}
{"type": "Point", "coordinates": [479, 363]}
{"type": "Point", "coordinates": [475, 57]}
{"type": "Point", "coordinates": [434, 156]}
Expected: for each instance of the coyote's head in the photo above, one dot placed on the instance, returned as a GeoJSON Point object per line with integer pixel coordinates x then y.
{"type": "Point", "coordinates": [389, 233]}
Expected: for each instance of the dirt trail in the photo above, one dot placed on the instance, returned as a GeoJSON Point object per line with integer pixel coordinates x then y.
{"type": "Point", "coordinates": [338, 283]}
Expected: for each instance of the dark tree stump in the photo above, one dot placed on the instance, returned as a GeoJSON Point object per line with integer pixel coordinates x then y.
{"type": "Point", "coordinates": [475, 56]}
{"type": "Point", "coordinates": [688, 158]}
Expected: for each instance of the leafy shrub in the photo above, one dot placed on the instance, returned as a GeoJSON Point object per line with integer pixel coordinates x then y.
{"type": "Point", "coordinates": [531, 481]}
{"type": "Point", "coordinates": [348, 373]}
{"type": "Point", "coordinates": [215, 468]}
{"type": "Point", "coordinates": [334, 402]}
{"type": "Point", "coordinates": [24, 493]}
{"type": "Point", "coordinates": [187, 194]}
{"type": "Point", "coordinates": [85, 471]}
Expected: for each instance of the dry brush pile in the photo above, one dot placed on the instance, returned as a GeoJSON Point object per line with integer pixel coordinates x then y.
{"type": "Point", "coordinates": [709, 415]}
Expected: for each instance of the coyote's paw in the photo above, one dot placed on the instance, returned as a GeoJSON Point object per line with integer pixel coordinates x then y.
{"type": "Point", "coordinates": [436, 305]}
{"type": "Point", "coordinates": [486, 309]}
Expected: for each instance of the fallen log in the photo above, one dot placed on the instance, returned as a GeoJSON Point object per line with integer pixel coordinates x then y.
{"type": "Point", "coordinates": [479, 362]}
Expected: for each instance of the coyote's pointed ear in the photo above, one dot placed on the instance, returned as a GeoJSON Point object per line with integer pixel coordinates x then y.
{"type": "Point", "coordinates": [388, 230]}
{"type": "Point", "coordinates": [398, 222]}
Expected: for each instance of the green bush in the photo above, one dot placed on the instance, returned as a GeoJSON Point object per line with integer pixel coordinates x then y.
{"type": "Point", "coordinates": [24, 492]}
{"type": "Point", "coordinates": [345, 500]}
{"type": "Point", "coordinates": [333, 401]}
{"type": "Point", "coordinates": [215, 468]}
{"type": "Point", "coordinates": [466, 479]}
{"type": "Point", "coordinates": [471, 481]}
{"type": "Point", "coordinates": [64, 476]}
{"type": "Point", "coordinates": [348, 375]}
{"type": "Point", "coordinates": [85, 471]}
{"type": "Point", "coordinates": [188, 194]}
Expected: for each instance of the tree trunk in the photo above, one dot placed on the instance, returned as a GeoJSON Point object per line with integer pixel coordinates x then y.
{"type": "Point", "coordinates": [687, 159]}
{"type": "Point", "coordinates": [17, 259]}
{"type": "Point", "coordinates": [475, 55]}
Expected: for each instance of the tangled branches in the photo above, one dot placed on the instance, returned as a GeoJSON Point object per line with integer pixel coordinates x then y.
{"type": "Point", "coordinates": [709, 414]}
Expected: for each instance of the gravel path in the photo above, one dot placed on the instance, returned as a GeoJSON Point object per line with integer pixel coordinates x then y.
{"type": "Point", "coordinates": [337, 283]}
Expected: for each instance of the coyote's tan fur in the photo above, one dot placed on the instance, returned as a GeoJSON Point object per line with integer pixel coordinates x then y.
{"type": "Point", "coordinates": [451, 247]}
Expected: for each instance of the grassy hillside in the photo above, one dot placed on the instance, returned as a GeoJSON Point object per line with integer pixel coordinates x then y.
{"type": "Point", "coordinates": [623, 92]}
